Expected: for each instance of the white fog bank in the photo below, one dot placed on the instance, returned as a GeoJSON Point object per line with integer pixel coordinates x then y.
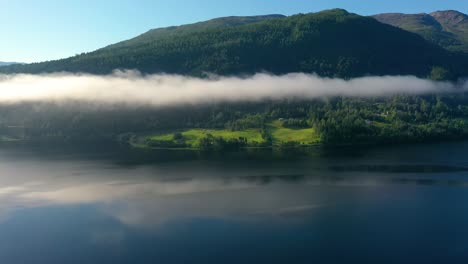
{"type": "Point", "coordinates": [131, 87]}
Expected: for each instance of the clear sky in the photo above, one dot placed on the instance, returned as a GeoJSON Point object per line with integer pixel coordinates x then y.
{"type": "Point", "coordinates": [38, 30]}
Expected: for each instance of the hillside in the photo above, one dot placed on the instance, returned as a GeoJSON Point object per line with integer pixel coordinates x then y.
{"type": "Point", "coordinates": [448, 29]}
{"type": "Point", "coordinates": [6, 63]}
{"type": "Point", "coordinates": [331, 43]}
{"type": "Point", "coordinates": [217, 23]}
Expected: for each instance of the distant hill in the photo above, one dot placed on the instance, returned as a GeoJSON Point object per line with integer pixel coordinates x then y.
{"type": "Point", "coordinates": [7, 63]}
{"type": "Point", "coordinates": [448, 29]}
{"type": "Point", "coordinates": [331, 43]}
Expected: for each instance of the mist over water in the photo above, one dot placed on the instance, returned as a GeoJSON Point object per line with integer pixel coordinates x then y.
{"type": "Point", "coordinates": [133, 88]}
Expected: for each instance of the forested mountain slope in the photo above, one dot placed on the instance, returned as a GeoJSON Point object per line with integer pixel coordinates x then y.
{"type": "Point", "coordinates": [331, 43]}
{"type": "Point", "coordinates": [449, 29]}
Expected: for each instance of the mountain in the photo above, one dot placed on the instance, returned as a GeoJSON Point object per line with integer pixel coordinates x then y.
{"type": "Point", "coordinates": [217, 23]}
{"type": "Point", "coordinates": [329, 43]}
{"type": "Point", "coordinates": [448, 29]}
{"type": "Point", "coordinates": [7, 63]}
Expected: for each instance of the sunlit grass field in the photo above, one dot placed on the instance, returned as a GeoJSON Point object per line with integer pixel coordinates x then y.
{"type": "Point", "coordinates": [193, 136]}
{"type": "Point", "coordinates": [280, 135]}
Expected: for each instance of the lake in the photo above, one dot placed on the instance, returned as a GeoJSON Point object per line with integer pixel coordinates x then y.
{"type": "Point", "coordinates": [102, 204]}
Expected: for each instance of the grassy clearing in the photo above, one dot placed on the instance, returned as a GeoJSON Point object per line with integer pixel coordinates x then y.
{"type": "Point", "coordinates": [193, 136]}
{"type": "Point", "coordinates": [282, 134]}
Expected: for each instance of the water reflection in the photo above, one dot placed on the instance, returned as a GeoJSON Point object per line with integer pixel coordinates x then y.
{"type": "Point", "coordinates": [148, 197]}
{"type": "Point", "coordinates": [154, 193]}
{"type": "Point", "coordinates": [105, 205]}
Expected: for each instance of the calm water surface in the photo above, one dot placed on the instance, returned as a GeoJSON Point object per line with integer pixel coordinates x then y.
{"type": "Point", "coordinates": [405, 204]}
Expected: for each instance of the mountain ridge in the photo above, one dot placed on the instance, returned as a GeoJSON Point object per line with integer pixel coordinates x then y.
{"type": "Point", "coordinates": [313, 43]}
{"type": "Point", "coordinates": [228, 21]}
{"type": "Point", "coordinates": [452, 16]}
{"type": "Point", "coordinates": [447, 28]}
{"type": "Point", "coordinates": [3, 63]}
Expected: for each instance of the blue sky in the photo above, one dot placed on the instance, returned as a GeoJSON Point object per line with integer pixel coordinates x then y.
{"type": "Point", "coordinates": [38, 30]}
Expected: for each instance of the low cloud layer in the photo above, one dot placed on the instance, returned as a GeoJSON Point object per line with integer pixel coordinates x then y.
{"type": "Point", "coordinates": [161, 90]}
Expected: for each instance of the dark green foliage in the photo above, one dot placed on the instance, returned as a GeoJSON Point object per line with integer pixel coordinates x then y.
{"type": "Point", "coordinates": [295, 123]}
{"type": "Point", "coordinates": [165, 144]}
{"type": "Point", "coordinates": [331, 43]}
{"type": "Point", "coordinates": [169, 32]}
{"type": "Point", "coordinates": [178, 137]}
{"type": "Point", "coordinates": [338, 120]}
{"type": "Point", "coordinates": [399, 119]}
{"type": "Point", "coordinates": [290, 144]}
{"type": "Point", "coordinates": [439, 74]}
{"type": "Point", "coordinates": [266, 135]}
{"type": "Point", "coordinates": [250, 121]}
{"type": "Point", "coordinates": [218, 143]}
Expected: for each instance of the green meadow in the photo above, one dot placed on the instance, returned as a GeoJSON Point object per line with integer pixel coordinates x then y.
{"type": "Point", "coordinates": [193, 136]}
{"type": "Point", "coordinates": [279, 135]}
